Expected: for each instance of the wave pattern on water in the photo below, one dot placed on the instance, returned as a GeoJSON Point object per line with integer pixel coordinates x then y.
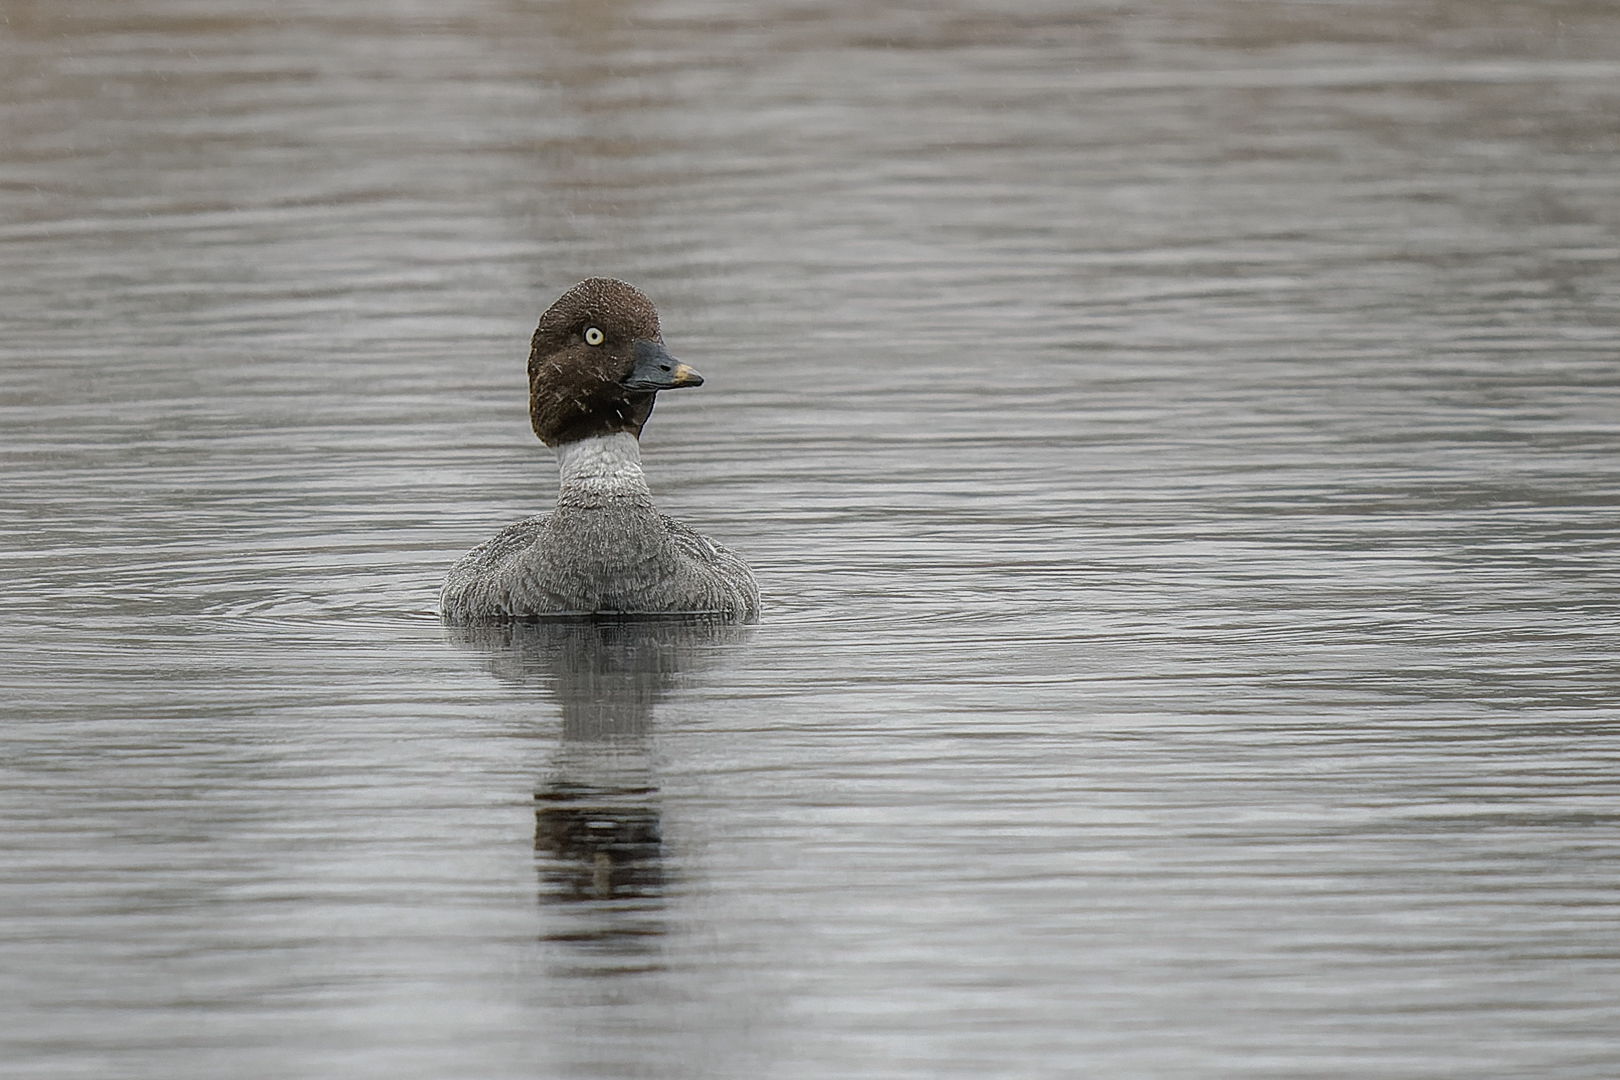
{"type": "Point", "coordinates": [1179, 445]}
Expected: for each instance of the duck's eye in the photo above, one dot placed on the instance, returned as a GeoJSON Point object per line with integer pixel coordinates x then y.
{"type": "Point", "coordinates": [593, 336]}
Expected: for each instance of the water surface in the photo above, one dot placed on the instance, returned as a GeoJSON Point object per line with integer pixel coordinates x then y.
{"type": "Point", "coordinates": [1179, 445]}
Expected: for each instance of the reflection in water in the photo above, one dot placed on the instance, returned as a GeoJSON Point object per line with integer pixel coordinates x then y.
{"type": "Point", "coordinates": [598, 836]}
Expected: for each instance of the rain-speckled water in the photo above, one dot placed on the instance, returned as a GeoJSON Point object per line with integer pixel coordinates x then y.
{"type": "Point", "coordinates": [1179, 445]}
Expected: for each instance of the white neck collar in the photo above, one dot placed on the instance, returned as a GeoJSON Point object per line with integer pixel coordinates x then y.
{"type": "Point", "coordinates": [602, 465]}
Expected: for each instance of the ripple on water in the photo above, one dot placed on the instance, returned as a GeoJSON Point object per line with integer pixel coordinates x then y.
{"type": "Point", "coordinates": [1177, 445]}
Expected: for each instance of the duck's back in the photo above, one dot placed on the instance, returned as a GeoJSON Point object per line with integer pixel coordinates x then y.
{"type": "Point", "coordinates": [621, 556]}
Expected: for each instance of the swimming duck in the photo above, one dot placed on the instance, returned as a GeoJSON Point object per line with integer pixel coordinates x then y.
{"type": "Point", "coordinates": [596, 364]}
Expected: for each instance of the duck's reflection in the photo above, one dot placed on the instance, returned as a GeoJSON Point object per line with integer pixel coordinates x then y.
{"type": "Point", "coordinates": [598, 829]}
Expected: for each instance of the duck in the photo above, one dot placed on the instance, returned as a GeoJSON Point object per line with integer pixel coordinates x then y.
{"type": "Point", "coordinates": [596, 364]}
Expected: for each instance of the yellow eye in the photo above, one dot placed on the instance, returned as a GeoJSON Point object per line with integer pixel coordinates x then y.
{"type": "Point", "coordinates": [593, 336]}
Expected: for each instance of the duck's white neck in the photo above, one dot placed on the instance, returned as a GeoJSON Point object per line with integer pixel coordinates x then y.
{"type": "Point", "coordinates": [604, 465]}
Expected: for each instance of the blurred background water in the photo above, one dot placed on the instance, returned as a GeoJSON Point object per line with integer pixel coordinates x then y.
{"type": "Point", "coordinates": [1179, 445]}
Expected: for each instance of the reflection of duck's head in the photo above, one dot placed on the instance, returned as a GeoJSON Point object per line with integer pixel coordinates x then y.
{"type": "Point", "coordinates": [596, 363]}
{"type": "Point", "coordinates": [598, 826]}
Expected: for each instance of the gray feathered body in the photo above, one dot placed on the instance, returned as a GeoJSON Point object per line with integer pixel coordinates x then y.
{"type": "Point", "coordinates": [621, 557]}
{"type": "Point", "coordinates": [605, 549]}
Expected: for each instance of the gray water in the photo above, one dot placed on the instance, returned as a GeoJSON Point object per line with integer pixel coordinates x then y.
{"type": "Point", "coordinates": [1179, 445]}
